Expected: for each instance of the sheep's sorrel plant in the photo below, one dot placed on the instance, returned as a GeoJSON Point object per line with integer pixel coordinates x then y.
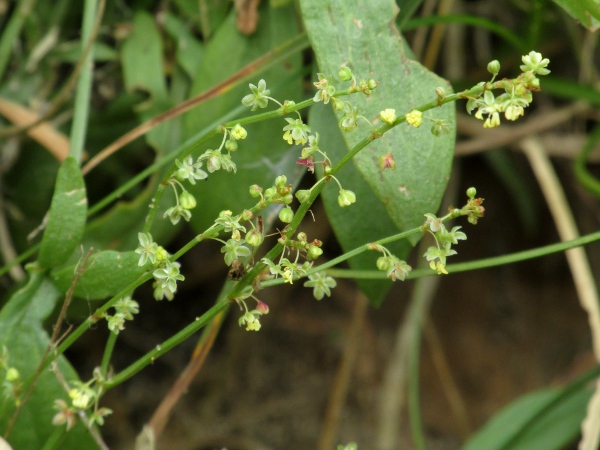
{"type": "Point", "coordinates": [373, 142]}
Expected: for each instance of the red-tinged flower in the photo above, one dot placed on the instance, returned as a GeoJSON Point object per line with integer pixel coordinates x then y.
{"type": "Point", "coordinates": [387, 162]}
{"type": "Point", "coordinates": [308, 162]}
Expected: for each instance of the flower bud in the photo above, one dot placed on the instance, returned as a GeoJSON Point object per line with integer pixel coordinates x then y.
{"type": "Point", "coordinates": [414, 118]}
{"type": "Point", "coordinates": [440, 92]}
{"type": "Point", "coordinates": [187, 200]}
{"type": "Point", "coordinates": [238, 132]}
{"type": "Point", "coordinates": [286, 215]}
{"type": "Point", "coordinates": [254, 238]}
{"type": "Point", "coordinates": [247, 214]}
{"type": "Point", "coordinates": [383, 263]}
{"type": "Point", "coordinates": [372, 84]}
{"type": "Point", "coordinates": [313, 252]}
{"type": "Point", "coordinates": [471, 192]}
{"type": "Point", "coordinates": [303, 195]}
{"type": "Point", "coordinates": [388, 115]}
{"type": "Point", "coordinates": [345, 73]}
{"type": "Point", "coordinates": [231, 145]}
{"type": "Point", "coordinates": [12, 375]}
{"type": "Point", "coordinates": [255, 191]}
{"type": "Point", "coordinates": [338, 104]}
{"type": "Point", "coordinates": [262, 307]}
{"type": "Point", "coordinates": [494, 67]}
{"type": "Point", "coordinates": [302, 236]}
{"type": "Point", "coordinates": [280, 181]}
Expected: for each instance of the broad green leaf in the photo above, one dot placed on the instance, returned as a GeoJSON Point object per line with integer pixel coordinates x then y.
{"type": "Point", "coordinates": [263, 155]}
{"type": "Point", "coordinates": [107, 273]}
{"type": "Point", "coordinates": [208, 14]}
{"type": "Point", "coordinates": [556, 429]}
{"type": "Point", "coordinates": [587, 12]}
{"type": "Point", "coordinates": [363, 222]}
{"type": "Point", "coordinates": [143, 70]}
{"type": "Point", "coordinates": [67, 216]}
{"type": "Point", "coordinates": [362, 34]}
{"type": "Point", "coordinates": [25, 339]}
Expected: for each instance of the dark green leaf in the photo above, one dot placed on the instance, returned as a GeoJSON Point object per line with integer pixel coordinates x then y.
{"type": "Point", "coordinates": [556, 429]}
{"type": "Point", "coordinates": [66, 218]}
{"type": "Point", "coordinates": [107, 273]}
{"type": "Point", "coordinates": [22, 334]}
{"type": "Point", "coordinates": [362, 35]}
{"type": "Point", "coordinates": [363, 222]}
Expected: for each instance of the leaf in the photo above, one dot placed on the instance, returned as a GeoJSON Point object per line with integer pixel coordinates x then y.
{"type": "Point", "coordinates": [21, 332]}
{"type": "Point", "coordinates": [363, 222]}
{"type": "Point", "coordinates": [264, 154]}
{"type": "Point", "coordinates": [556, 429]}
{"type": "Point", "coordinates": [362, 34]}
{"type": "Point", "coordinates": [587, 12]}
{"type": "Point", "coordinates": [189, 49]}
{"type": "Point", "coordinates": [107, 273]}
{"type": "Point", "coordinates": [67, 216]}
{"type": "Point", "coordinates": [143, 69]}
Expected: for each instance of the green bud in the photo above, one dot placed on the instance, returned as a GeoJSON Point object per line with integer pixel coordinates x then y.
{"type": "Point", "coordinates": [247, 214]}
{"type": "Point", "coordinates": [372, 84]}
{"type": "Point", "coordinates": [12, 375]}
{"type": "Point", "coordinates": [345, 73]}
{"type": "Point", "coordinates": [254, 238]}
{"type": "Point", "coordinates": [255, 191]}
{"type": "Point", "coordinates": [303, 195]}
{"type": "Point", "coordinates": [440, 92]}
{"type": "Point", "coordinates": [270, 192]}
{"type": "Point", "coordinates": [161, 254]}
{"type": "Point", "coordinates": [471, 192]}
{"type": "Point", "coordinates": [231, 145]}
{"type": "Point", "coordinates": [286, 215]}
{"type": "Point", "coordinates": [494, 67]}
{"type": "Point", "coordinates": [313, 252]}
{"type": "Point", "coordinates": [302, 236]}
{"type": "Point", "coordinates": [187, 200]}
{"type": "Point", "coordinates": [238, 132]}
{"type": "Point", "coordinates": [280, 181]}
{"type": "Point", "coordinates": [346, 198]}
{"type": "Point", "coordinates": [383, 263]}
{"type": "Point", "coordinates": [338, 104]}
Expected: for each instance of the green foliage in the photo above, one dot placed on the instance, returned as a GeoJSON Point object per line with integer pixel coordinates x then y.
{"type": "Point", "coordinates": [66, 218]}
{"type": "Point", "coordinates": [26, 340]}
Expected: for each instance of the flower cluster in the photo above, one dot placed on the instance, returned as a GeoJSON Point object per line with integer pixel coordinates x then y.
{"type": "Point", "coordinates": [83, 396]}
{"type": "Point", "coordinates": [166, 274]}
{"type": "Point", "coordinates": [517, 95]}
{"type": "Point", "coordinates": [250, 318]}
{"type": "Point", "coordinates": [394, 267]}
{"type": "Point", "coordinates": [444, 239]}
{"type": "Point", "coordinates": [125, 308]}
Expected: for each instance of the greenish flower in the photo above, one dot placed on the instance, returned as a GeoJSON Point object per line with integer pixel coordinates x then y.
{"type": "Point", "coordinates": [259, 97]}
{"type": "Point", "coordinates": [169, 275]}
{"type": "Point", "coordinates": [190, 170]}
{"type": "Point", "coordinates": [321, 284]}
{"type": "Point", "coordinates": [296, 131]}
{"type": "Point", "coordinates": [534, 62]}
{"type": "Point", "coordinates": [147, 249]}
{"type": "Point", "coordinates": [234, 250]}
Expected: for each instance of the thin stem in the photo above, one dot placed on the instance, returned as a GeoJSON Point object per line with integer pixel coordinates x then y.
{"type": "Point", "coordinates": [108, 350]}
{"type": "Point", "coordinates": [84, 85]}
{"type": "Point", "coordinates": [173, 341]}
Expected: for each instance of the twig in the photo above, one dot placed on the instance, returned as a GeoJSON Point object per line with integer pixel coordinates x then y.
{"type": "Point", "coordinates": [341, 382]}
{"type": "Point", "coordinates": [580, 269]}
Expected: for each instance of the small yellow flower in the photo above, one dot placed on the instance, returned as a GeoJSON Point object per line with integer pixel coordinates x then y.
{"type": "Point", "coordinates": [441, 268]}
{"type": "Point", "coordinates": [388, 115]}
{"type": "Point", "coordinates": [415, 118]}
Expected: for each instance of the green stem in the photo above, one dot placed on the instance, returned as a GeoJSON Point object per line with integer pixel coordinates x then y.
{"type": "Point", "coordinates": [108, 350]}
{"type": "Point", "coordinates": [84, 84]}
{"type": "Point", "coordinates": [12, 31]}
{"type": "Point", "coordinates": [173, 341]}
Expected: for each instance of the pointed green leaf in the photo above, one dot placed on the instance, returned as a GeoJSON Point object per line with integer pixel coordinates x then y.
{"type": "Point", "coordinates": [106, 273]}
{"type": "Point", "coordinates": [362, 34]}
{"type": "Point", "coordinates": [25, 339]}
{"type": "Point", "coordinates": [364, 221]}
{"type": "Point", "coordinates": [67, 216]}
{"type": "Point", "coordinates": [587, 12]}
{"type": "Point", "coordinates": [556, 429]}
